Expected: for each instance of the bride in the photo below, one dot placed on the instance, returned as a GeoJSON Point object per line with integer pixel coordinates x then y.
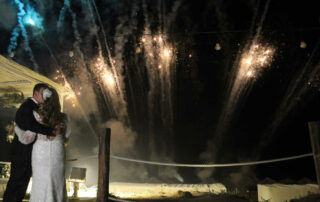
{"type": "Point", "coordinates": [48, 155]}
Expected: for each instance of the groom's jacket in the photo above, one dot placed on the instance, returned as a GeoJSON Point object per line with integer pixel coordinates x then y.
{"type": "Point", "coordinates": [26, 121]}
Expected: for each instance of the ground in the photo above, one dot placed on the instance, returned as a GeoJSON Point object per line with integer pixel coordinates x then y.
{"type": "Point", "coordinates": [216, 198]}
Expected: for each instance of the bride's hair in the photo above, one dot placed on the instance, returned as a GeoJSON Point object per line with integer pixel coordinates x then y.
{"type": "Point", "coordinates": [50, 109]}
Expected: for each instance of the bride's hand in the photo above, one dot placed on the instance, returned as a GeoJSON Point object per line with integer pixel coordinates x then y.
{"type": "Point", "coordinates": [57, 130]}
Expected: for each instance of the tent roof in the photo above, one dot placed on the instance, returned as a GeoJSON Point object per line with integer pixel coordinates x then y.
{"type": "Point", "coordinates": [23, 79]}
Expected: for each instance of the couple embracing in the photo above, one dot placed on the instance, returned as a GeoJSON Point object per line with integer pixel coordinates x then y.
{"type": "Point", "coordinates": [38, 149]}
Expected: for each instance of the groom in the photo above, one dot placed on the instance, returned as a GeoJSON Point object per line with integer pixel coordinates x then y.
{"type": "Point", "coordinates": [21, 153]}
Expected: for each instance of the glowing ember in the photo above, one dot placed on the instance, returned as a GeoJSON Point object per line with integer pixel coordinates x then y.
{"type": "Point", "coordinates": [166, 52]}
{"type": "Point", "coordinates": [257, 57]}
{"type": "Point", "coordinates": [262, 59]}
{"type": "Point", "coordinates": [62, 80]}
{"type": "Point", "coordinates": [104, 73]}
{"type": "Point", "coordinates": [248, 61]}
{"type": "Point", "coordinates": [30, 21]}
{"type": "Point", "coordinates": [70, 96]}
{"type": "Point", "coordinates": [109, 78]}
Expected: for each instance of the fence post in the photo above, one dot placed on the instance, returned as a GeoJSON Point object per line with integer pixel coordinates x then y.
{"type": "Point", "coordinates": [314, 129]}
{"type": "Point", "coordinates": [104, 166]}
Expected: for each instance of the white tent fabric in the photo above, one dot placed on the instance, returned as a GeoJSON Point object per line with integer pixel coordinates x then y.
{"type": "Point", "coordinates": [285, 192]}
{"type": "Point", "coordinates": [23, 79]}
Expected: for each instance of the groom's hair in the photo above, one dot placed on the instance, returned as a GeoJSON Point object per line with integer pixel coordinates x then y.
{"type": "Point", "coordinates": [38, 86]}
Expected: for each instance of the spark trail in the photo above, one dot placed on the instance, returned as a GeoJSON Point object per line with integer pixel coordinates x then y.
{"type": "Point", "coordinates": [94, 67]}
{"type": "Point", "coordinates": [76, 44]}
{"type": "Point", "coordinates": [159, 56]}
{"type": "Point", "coordinates": [125, 28]}
{"type": "Point", "coordinates": [115, 72]}
{"type": "Point", "coordinates": [247, 68]}
{"type": "Point", "coordinates": [67, 84]}
{"type": "Point", "coordinates": [296, 90]}
{"type": "Point", "coordinates": [24, 16]}
{"type": "Point", "coordinates": [77, 36]}
{"type": "Point", "coordinates": [248, 65]}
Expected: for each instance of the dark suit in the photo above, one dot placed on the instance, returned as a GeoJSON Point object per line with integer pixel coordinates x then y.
{"type": "Point", "coordinates": [21, 153]}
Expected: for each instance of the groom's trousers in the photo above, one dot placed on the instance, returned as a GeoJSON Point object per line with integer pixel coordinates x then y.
{"type": "Point", "coordinates": [20, 172]}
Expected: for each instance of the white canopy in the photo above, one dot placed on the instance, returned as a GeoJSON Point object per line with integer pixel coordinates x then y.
{"type": "Point", "coordinates": [23, 79]}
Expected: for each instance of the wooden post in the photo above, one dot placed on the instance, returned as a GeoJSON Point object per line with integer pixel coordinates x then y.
{"type": "Point", "coordinates": [314, 129]}
{"type": "Point", "coordinates": [104, 166]}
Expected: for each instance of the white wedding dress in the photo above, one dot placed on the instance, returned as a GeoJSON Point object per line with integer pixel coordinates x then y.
{"type": "Point", "coordinates": [48, 173]}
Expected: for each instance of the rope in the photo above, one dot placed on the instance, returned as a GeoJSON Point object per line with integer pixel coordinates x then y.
{"type": "Point", "coordinates": [203, 165]}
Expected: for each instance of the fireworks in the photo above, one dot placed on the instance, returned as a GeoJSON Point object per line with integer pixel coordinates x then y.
{"type": "Point", "coordinates": [31, 22]}
{"type": "Point", "coordinates": [26, 15]}
{"type": "Point", "coordinates": [159, 55]}
{"type": "Point", "coordinates": [32, 17]}
{"type": "Point", "coordinates": [108, 78]}
{"type": "Point", "coordinates": [62, 80]}
{"type": "Point", "coordinates": [255, 59]}
{"type": "Point", "coordinates": [70, 96]}
{"type": "Point", "coordinates": [158, 51]}
{"type": "Point", "coordinates": [166, 53]}
{"type": "Point", "coordinates": [104, 74]}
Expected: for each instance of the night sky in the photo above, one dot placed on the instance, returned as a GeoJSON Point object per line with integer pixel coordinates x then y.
{"type": "Point", "coordinates": [194, 111]}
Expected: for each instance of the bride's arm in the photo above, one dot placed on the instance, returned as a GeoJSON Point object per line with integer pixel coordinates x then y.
{"type": "Point", "coordinates": [65, 130]}
{"type": "Point", "coordinates": [68, 130]}
{"type": "Point", "coordinates": [24, 136]}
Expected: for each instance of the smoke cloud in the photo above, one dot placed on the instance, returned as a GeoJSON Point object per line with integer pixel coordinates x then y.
{"type": "Point", "coordinates": [122, 138]}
